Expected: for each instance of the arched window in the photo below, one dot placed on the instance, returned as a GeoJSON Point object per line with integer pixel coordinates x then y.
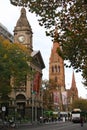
{"type": "Point", "coordinates": [55, 68]}
{"type": "Point", "coordinates": [58, 68]}
{"type": "Point", "coordinates": [52, 69]}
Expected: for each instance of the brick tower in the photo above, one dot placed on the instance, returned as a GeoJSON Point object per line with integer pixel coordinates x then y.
{"type": "Point", "coordinates": [56, 70]}
{"type": "Point", "coordinates": [56, 65]}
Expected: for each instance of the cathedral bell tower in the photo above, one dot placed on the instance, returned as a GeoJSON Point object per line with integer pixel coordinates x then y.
{"type": "Point", "coordinates": [23, 31]}
{"type": "Point", "coordinates": [56, 74]}
{"type": "Point", "coordinates": [56, 65]}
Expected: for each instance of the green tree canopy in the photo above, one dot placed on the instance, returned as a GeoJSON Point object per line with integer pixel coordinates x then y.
{"type": "Point", "coordinates": [80, 103]}
{"type": "Point", "coordinates": [70, 17]}
{"type": "Point", "coordinates": [14, 60]}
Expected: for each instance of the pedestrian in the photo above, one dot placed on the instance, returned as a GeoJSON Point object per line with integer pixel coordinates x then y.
{"type": "Point", "coordinates": [81, 121]}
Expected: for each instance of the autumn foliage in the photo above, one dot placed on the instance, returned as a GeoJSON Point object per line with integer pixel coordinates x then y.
{"type": "Point", "coordinates": [14, 60]}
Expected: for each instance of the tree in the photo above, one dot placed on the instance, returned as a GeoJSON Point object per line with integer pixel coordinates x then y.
{"type": "Point", "coordinates": [47, 95]}
{"type": "Point", "coordinates": [14, 60]}
{"type": "Point", "coordinates": [80, 103]}
{"type": "Point", "coordinates": [70, 16]}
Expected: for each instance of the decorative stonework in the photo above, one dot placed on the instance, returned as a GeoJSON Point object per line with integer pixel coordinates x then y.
{"type": "Point", "coordinates": [23, 31]}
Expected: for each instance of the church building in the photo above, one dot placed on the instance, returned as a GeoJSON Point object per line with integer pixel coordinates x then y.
{"type": "Point", "coordinates": [61, 97]}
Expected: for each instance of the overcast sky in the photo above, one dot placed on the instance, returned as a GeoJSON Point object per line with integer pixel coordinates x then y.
{"type": "Point", "coordinates": [9, 15]}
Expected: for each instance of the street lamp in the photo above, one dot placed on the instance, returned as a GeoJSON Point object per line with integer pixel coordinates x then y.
{"type": "Point", "coordinates": [3, 112]}
{"type": "Point", "coordinates": [43, 86]}
{"type": "Point", "coordinates": [32, 100]}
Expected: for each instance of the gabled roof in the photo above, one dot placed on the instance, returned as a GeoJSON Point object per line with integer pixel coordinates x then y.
{"type": "Point", "coordinates": [37, 58]}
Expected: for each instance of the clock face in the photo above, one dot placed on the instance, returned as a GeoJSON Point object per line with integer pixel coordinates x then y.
{"type": "Point", "coordinates": [21, 38]}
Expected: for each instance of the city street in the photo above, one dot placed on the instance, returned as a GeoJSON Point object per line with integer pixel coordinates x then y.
{"type": "Point", "coordinates": [58, 126]}
{"type": "Point", "coordinates": [52, 126]}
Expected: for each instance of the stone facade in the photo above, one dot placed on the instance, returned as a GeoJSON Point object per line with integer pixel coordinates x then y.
{"type": "Point", "coordinates": [27, 100]}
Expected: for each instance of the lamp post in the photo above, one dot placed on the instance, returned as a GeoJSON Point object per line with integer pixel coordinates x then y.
{"type": "Point", "coordinates": [15, 113]}
{"type": "Point", "coordinates": [43, 87]}
{"type": "Point", "coordinates": [32, 101]}
{"type": "Point", "coordinates": [35, 108]}
{"type": "Point", "coordinates": [34, 105]}
{"type": "Point", "coordinates": [3, 112]}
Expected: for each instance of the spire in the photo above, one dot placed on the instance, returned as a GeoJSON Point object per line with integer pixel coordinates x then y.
{"type": "Point", "coordinates": [23, 29]}
{"type": "Point", "coordinates": [73, 85]}
{"type": "Point", "coordinates": [56, 35]}
{"type": "Point", "coordinates": [22, 22]}
{"type": "Point", "coordinates": [55, 45]}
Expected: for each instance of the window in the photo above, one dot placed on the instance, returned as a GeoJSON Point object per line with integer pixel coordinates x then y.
{"type": "Point", "coordinates": [58, 68]}
{"type": "Point", "coordinates": [55, 68]}
{"type": "Point", "coordinates": [52, 69]}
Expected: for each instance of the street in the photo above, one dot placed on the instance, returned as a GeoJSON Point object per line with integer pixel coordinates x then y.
{"type": "Point", "coordinates": [52, 126]}
{"type": "Point", "coordinates": [59, 126]}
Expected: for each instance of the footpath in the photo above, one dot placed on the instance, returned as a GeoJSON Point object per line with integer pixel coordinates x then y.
{"type": "Point", "coordinates": [28, 125]}
{"type": "Point", "coordinates": [37, 124]}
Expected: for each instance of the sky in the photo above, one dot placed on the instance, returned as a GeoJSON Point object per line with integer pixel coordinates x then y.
{"type": "Point", "coordinates": [9, 15]}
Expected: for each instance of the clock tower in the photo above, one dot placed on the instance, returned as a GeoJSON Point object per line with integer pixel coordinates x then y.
{"type": "Point", "coordinates": [24, 97]}
{"type": "Point", "coordinates": [23, 31]}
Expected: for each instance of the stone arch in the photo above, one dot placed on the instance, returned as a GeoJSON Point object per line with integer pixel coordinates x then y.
{"type": "Point", "coordinates": [20, 97]}
{"type": "Point", "coordinates": [21, 103]}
